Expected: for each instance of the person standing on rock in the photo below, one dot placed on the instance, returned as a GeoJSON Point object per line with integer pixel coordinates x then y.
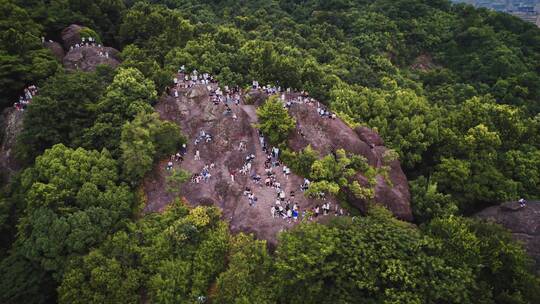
{"type": "Point", "coordinates": [197, 155]}
{"type": "Point", "coordinates": [295, 214]}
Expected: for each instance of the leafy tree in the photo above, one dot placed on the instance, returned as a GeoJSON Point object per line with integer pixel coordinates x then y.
{"type": "Point", "coordinates": [174, 256]}
{"type": "Point", "coordinates": [248, 275]}
{"type": "Point", "coordinates": [107, 277]}
{"type": "Point", "coordinates": [427, 203]}
{"type": "Point", "coordinates": [352, 261]}
{"type": "Point", "coordinates": [274, 121]}
{"type": "Point", "coordinates": [404, 119]}
{"type": "Point", "coordinates": [494, 259]}
{"type": "Point", "coordinates": [23, 60]}
{"type": "Point", "coordinates": [145, 139]}
{"type": "Point", "coordinates": [135, 57]}
{"type": "Point", "coordinates": [24, 282]}
{"type": "Point", "coordinates": [175, 179]}
{"type": "Point", "coordinates": [127, 95]}
{"type": "Point", "coordinates": [300, 162]}
{"type": "Point", "coordinates": [55, 15]}
{"type": "Point", "coordinates": [73, 201]}
{"type": "Point", "coordinates": [154, 27]}
{"type": "Point", "coordinates": [61, 112]}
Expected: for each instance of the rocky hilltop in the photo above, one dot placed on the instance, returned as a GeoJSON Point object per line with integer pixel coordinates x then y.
{"type": "Point", "coordinates": [84, 58]}
{"type": "Point", "coordinates": [194, 112]}
{"type": "Point", "coordinates": [76, 54]}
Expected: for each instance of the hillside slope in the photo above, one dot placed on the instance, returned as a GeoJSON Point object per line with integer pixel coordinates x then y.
{"type": "Point", "coordinates": [194, 112]}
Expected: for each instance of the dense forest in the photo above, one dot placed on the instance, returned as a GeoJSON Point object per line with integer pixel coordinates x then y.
{"type": "Point", "coordinates": [454, 90]}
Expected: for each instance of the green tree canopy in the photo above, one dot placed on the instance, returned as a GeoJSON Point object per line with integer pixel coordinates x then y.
{"type": "Point", "coordinates": [274, 120]}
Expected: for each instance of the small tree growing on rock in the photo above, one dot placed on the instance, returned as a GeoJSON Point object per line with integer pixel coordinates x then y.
{"type": "Point", "coordinates": [274, 120]}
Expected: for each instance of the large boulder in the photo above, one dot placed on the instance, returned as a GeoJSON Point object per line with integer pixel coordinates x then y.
{"type": "Point", "coordinates": [524, 223]}
{"type": "Point", "coordinates": [326, 135]}
{"type": "Point", "coordinates": [71, 35]}
{"type": "Point", "coordinates": [11, 123]}
{"type": "Point", "coordinates": [194, 113]}
{"type": "Point", "coordinates": [234, 137]}
{"type": "Point", "coordinates": [87, 58]}
{"type": "Point", "coordinates": [197, 91]}
{"type": "Point", "coordinates": [369, 136]}
{"type": "Point", "coordinates": [56, 49]}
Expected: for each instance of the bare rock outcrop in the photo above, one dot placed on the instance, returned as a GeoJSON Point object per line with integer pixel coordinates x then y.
{"type": "Point", "coordinates": [194, 112]}
{"type": "Point", "coordinates": [326, 135]}
{"type": "Point", "coordinates": [369, 136]}
{"type": "Point", "coordinates": [56, 49]}
{"type": "Point", "coordinates": [11, 125]}
{"type": "Point", "coordinates": [197, 91]}
{"type": "Point", "coordinates": [71, 35]}
{"type": "Point", "coordinates": [524, 223]}
{"type": "Point", "coordinates": [234, 137]}
{"type": "Point", "coordinates": [87, 58]}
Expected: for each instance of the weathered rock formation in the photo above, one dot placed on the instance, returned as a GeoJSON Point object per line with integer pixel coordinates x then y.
{"type": "Point", "coordinates": [194, 112]}
{"type": "Point", "coordinates": [524, 223]}
{"type": "Point", "coordinates": [71, 35]}
{"type": "Point", "coordinates": [11, 125]}
{"type": "Point", "coordinates": [56, 49]}
{"type": "Point", "coordinates": [325, 135]}
{"type": "Point", "coordinates": [87, 58]}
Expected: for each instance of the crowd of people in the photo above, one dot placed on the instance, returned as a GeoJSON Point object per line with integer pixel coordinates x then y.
{"type": "Point", "coordinates": [289, 98]}
{"type": "Point", "coordinates": [91, 41]}
{"type": "Point", "coordinates": [178, 157]}
{"type": "Point", "coordinates": [285, 206]}
{"type": "Point", "coordinates": [204, 175]}
{"type": "Point", "coordinates": [25, 99]}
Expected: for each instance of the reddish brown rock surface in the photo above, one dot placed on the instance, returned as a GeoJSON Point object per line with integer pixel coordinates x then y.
{"type": "Point", "coordinates": [56, 49]}
{"type": "Point", "coordinates": [11, 126]}
{"type": "Point", "coordinates": [71, 36]}
{"type": "Point", "coordinates": [87, 58]}
{"type": "Point", "coordinates": [325, 135]}
{"type": "Point", "coordinates": [524, 223]}
{"type": "Point", "coordinates": [194, 112]}
{"type": "Point", "coordinates": [199, 113]}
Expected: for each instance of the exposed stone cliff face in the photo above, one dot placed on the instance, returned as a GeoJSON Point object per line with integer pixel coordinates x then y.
{"type": "Point", "coordinates": [86, 57]}
{"type": "Point", "coordinates": [524, 223]}
{"type": "Point", "coordinates": [71, 36]}
{"type": "Point", "coordinates": [194, 112]}
{"type": "Point", "coordinates": [11, 126]}
{"type": "Point", "coordinates": [325, 135]}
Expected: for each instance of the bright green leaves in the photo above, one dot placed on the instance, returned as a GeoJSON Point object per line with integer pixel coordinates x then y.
{"type": "Point", "coordinates": [404, 119]}
{"type": "Point", "coordinates": [173, 256]}
{"type": "Point", "coordinates": [274, 121]}
{"type": "Point", "coordinates": [248, 275]}
{"type": "Point", "coordinates": [145, 139]}
{"type": "Point", "coordinates": [73, 201]}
